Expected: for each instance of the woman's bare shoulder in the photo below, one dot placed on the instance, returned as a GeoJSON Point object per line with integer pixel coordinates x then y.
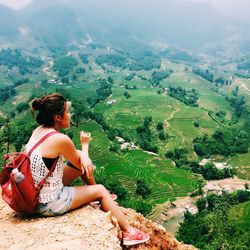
{"type": "Point", "coordinates": [61, 138]}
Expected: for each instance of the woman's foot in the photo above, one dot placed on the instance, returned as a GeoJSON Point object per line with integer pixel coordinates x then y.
{"type": "Point", "coordinates": [134, 236]}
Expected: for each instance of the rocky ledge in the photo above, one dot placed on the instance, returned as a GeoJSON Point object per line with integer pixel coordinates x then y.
{"type": "Point", "coordinates": [85, 228]}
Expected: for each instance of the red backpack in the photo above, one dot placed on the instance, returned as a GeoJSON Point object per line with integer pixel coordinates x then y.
{"type": "Point", "coordinates": [24, 196]}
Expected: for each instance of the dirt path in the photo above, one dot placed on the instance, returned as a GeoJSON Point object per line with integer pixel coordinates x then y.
{"type": "Point", "coordinates": [47, 71]}
{"type": "Point", "coordinates": [242, 84]}
{"type": "Point", "coordinates": [171, 117]}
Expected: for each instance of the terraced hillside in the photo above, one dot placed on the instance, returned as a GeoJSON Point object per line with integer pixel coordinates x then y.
{"type": "Point", "coordinates": [164, 180]}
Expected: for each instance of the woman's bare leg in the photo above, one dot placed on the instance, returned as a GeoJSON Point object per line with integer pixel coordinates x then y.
{"type": "Point", "coordinates": [70, 174]}
{"type": "Point", "coordinates": [85, 194]}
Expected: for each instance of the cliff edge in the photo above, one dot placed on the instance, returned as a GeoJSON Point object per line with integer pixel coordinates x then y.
{"type": "Point", "coordinates": [85, 228]}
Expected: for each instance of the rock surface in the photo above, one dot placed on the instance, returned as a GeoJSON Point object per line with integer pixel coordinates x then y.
{"type": "Point", "coordinates": [85, 228]}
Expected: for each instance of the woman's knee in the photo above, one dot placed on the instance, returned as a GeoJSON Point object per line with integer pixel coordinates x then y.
{"type": "Point", "coordinates": [102, 190]}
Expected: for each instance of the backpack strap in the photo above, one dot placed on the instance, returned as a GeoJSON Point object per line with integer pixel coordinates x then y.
{"type": "Point", "coordinates": [55, 162]}
{"type": "Point", "coordinates": [40, 185]}
{"type": "Point", "coordinates": [42, 140]}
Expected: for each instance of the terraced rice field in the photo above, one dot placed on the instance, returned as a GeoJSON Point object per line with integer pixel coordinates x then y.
{"type": "Point", "coordinates": [241, 213]}
{"type": "Point", "coordinates": [164, 180]}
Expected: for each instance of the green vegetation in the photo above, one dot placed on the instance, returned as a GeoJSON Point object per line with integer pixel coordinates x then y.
{"type": "Point", "coordinates": [112, 59]}
{"type": "Point", "coordinates": [204, 74]}
{"type": "Point", "coordinates": [224, 141]}
{"type": "Point", "coordinates": [238, 103]}
{"type": "Point", "coordinates": [64, 65]}
{"type": "Point", "coordinates": [121, 61]}
{"type": "Point", "coordinates": [84, 58]}
{"type": "Point", "coordinates": [144, 136]}
{"type": "Point", "coordinates": [128, 167]}
{"type": "Point", "coordinates": [190, 98]}
{"type": "Point", "coordinates": [157, 76]}
{"type": "Point", "coordinates": [6, 93]}
{"type": "Point", "coordinates": [14, 58]}
{"type": "Point", "coordinates": [186, 120]}
{"type": "Point", "coordinates": [216, 225]}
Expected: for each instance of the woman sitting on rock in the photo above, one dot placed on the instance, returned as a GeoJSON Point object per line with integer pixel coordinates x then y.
{"type": "Point", "coordinates": [57, 196]}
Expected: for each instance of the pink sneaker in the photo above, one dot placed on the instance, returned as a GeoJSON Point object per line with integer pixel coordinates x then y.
{"type": "Point", "coordinates": [134, 236]}
{"type": "Point", "coordinates": [113, 196]}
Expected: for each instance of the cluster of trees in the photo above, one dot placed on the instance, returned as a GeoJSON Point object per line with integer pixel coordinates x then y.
{"type": "Point", "coordinates": [223, 81]}
{"type": "Point", "coordinates": [84, 58]}
{"type": "Point", "coordinates": [80, 70]}
{"type": "Point", "coordinates": [157, 76]}
{"type": "Point", "coordinates": [224, 141]}
{"type": "Point", "coordinates": [64, 65]}
{"type": "Point", "coordinates": [179, 156]}
{"type": "Point", "coordinates": [221, 115]}
{"type": "Point", "coordinates": [21, 81]}
{"type": "Point", "coordinates": [104, 90]}
{"type": "Point", "coordinates": [126, 94]}
{"type": "Point", "coordinates": [160, 128]}
{"type": "Point", "coordinates": [244, 65]}
{"type": "Point", "coordinates": [211, 201]}
{"type": "Point", "coordinates": [6, 93]}
{"type": "Point", "coordinates": [189, 97]}
{"type": "Point", "coordinates": [211, 172]}
{"type": "Point", "coordinates": [238, 103]}
{"type": "Point", "coordinates": [14, 58]}
{"type": "Point", "coordinates": [144, 136]}
{"type": "Point", "coordinates": [130, 87]}
{"type": "Point", "coordinates": [206, 74]}
{"type": "Point", "coordinates": [129, 77]}
{"type": "Point", "coordinates": [22, 106]}
{"type": "Point", "coordinates": [133, 64]}
{"type": "Point", "coordinates": [14, 132]}
{"type": "Point", "coordinates": [142, 188]}
{"type": "Point", "coordinates": [144, 63]}
{"type": "Point", "coordinates": [112, 59]}
{"type": "Point", "coordinates": [212, 227]}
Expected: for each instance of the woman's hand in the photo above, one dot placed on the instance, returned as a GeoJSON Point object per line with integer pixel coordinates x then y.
{"type": "Point", "coordinates": [87, 166]}
{"type": "Point", "coordinates": [85, 137]}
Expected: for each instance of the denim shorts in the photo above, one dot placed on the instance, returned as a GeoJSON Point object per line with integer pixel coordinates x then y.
{"type": "Point", "coordinates": [59, 205]}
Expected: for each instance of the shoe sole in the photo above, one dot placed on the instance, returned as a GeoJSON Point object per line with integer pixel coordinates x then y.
{"type": "Point", "coordinates": [134, 242]}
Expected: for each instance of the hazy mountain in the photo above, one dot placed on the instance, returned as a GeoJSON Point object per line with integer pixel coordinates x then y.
{"type": "Point", "coordinates": [130, 25]}
{"type": "Point", "coordinates": [9, 23]}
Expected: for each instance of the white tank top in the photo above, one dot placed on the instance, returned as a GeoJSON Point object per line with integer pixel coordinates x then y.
{"type": "Point", "coordinates": [53, 184]}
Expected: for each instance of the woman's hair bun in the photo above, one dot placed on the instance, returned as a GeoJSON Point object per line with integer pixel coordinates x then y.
{"type": "Point", "coordinates": [37, 103]}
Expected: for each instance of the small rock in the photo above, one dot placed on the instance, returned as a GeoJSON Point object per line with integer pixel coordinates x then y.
{"type": "Point", "coordinates": [108, 227]}
{"type": "Point", "coordinates": [55, 230]}
{"type": "Point", "coordinates": [59, 238]}
{"type": "Point", "coordinates": [30, 242]}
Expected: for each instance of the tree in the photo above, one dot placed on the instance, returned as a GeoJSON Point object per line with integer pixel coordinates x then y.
{"type": "Point", "coordinates": [162, 136]}
{"type": "Point", "coordinates": [159, 126]}
{"type": "Point", "coordinates": [196, 124]}
{"type": "Point", "coordinates": [142, 189]}
{"type": "Point", "coordinates": [22, 106]}
{"type": "Point", "coordinates": [79, 111]}
{"type": "Point", "coordinates": [201, 204]}
{"type": "Point", "coordinates": [110, 80]}
{"type": "Point", "coordinates": [143, 207]}
{"type": "Point", "coordinates": [126, 94]}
